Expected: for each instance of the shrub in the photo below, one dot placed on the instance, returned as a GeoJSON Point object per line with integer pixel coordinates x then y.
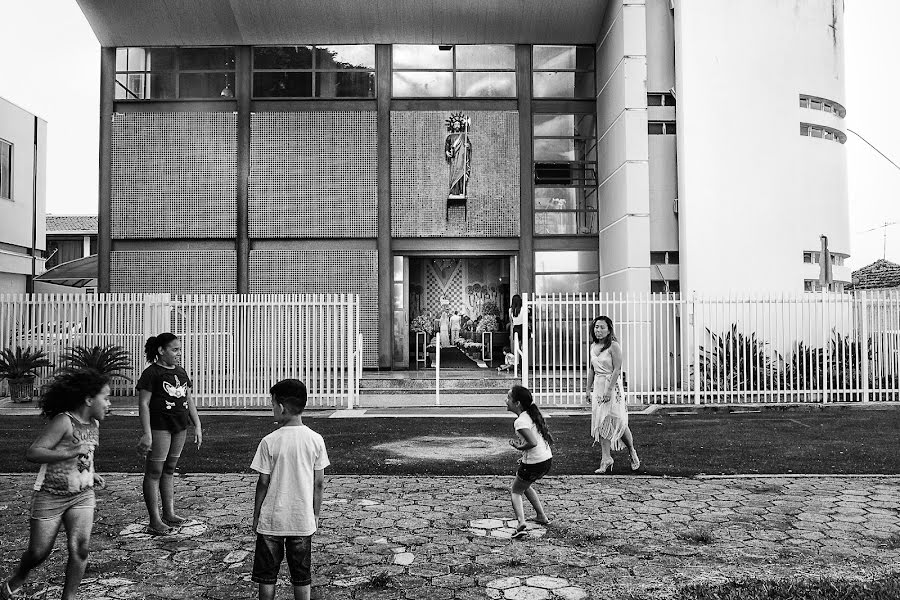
{"type": "Point", "coordinates": [22, 363]}
{"type": "Point", "coordinates": [490, 308]}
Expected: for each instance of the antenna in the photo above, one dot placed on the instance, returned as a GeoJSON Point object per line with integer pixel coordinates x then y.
{"type": "Point", "coordinates": [884, 228]}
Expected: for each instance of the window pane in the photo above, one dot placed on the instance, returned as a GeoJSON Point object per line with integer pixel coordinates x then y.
{"type": "Point", "coordinates": [561, 284]}
{"type": "Point", "coordinates": [556, 198]}
{"type": "Point", "coordinates": [206, 58]}
{"type": "Point", "coordinates": [163, 59]}
{"type": "Point", "coordinates": [566, 261]}
{"type": "Point", "coordinates": [5, 170]}
{"type": "Point", "coordinates": [563, 149]}
{"type": "Point", "coordinates": [554, 57]}
{"type": "Point", "coordinates": [554, 125]}
{"type": "Point", "coordinates": [285, 57]}
{"type": "Point", "coordinates": [202, 85]}
{"type": "Point", "coordinates": [337, 84]}
{"type": "Point", "coordinates": [161, 85]}
{"type": "Point", "coordinates": [486, 85]}
{"type": "Point", "coordinates": [121, 59]}
{"type": "Point", "coordinates": [129, 86]}
{"type": "Point", "coordinates": [563, 85]}
{"type": "Point", "coordinates": [655, 128]}
{"type": "Point", "coordinates": [486, 57]}
{"type": "Point", "coordinates": [654, 100]}
{"type": "Point", "coordinates": [136, 60]}
{"type": "Point", "coordinates": [345, 57]}
{"type": "Point", "coordinates": [421, 83]}
{"type": "Point", "coordinates": [282, 85]}
{"type": "Point", "coordinates": [555, 224]}
{"type": "Point", "coordinates": [414, 56]}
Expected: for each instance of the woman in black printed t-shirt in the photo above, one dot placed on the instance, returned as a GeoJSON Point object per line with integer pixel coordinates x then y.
{"type": "Point", "coordinates": [166, 410]}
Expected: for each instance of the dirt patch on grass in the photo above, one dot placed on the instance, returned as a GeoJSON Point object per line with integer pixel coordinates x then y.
{"type": "Point", "coordinates": [459, 449]}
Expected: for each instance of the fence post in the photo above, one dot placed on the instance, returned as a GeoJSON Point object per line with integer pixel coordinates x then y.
{"type": "Point", "coordinates": [825, 343]}
{"type": "Point", "coordinates": [525, 337]}
{"type": "Point", "coordinates": [863, 343]}
{"type": "Point", "coordinates": [695, 346]}
{"type": "Point", "coordinates": [437, 369]}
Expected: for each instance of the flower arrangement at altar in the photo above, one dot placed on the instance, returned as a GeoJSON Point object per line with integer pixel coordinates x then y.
{"type": "Point", "coordinates": [423, 323]}
{"type": "Point", "coordinates": [488, 323]}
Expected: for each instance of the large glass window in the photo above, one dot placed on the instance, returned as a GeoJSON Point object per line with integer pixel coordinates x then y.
{"type": "Point", "coordinates": [565, 174]}
{"type": "Point", "coordinates": [483, 71]}
{"type": "Point", "coordinates": [5, 170]}
{"type": "Point", "coordinates": [563, 71]}
{"type": "Point", "coordinates": [570, 271]}
{"type": "Point", "coordinates": [314, 71]}
{"type": "Point", "coordinates": [169, 73]}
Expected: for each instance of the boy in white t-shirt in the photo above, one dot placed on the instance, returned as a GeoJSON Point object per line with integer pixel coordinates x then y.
{"type": "Point", "coordinates": [291, 464]}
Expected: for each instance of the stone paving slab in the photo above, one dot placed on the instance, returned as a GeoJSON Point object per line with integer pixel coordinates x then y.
{"type": "Point", "coordinates": [448, 537]}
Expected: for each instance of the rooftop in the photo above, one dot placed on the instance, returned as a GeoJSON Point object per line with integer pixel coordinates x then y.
{"type": "Point", "coordinates": [881, 274]}
{"type": "Point", "coordinates": [71, 223]}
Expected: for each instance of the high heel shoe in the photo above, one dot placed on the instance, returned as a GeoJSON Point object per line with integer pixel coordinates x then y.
{"type": "Point", "coordinates": [604, 467]}
{"type": "Point", "coordinates": [635, 461]}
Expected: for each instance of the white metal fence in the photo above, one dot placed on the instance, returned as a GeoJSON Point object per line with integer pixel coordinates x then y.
{"type": "Point", "coordinates": [234, 346]}
{"type": "Point", "coordinates": [777, 348]}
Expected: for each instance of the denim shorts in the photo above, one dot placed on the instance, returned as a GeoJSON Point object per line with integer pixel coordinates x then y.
{"type": "Point", "coordinates": [533, 472]}
{"type": "Point", "coordinates": [270, 551]}
{"type": "Point", "coordinates": [48, 507]}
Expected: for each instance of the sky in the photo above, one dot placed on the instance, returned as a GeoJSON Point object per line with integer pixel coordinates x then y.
{"type": "Point", "coordinates": [51, 68]}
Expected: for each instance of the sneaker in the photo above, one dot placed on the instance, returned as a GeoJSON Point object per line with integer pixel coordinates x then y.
{"type": "Point", "coordinates": [519, 532]}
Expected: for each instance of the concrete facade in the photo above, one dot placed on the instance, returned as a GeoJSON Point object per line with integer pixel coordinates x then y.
{"type": "Point", "coordinates": [22, 230]}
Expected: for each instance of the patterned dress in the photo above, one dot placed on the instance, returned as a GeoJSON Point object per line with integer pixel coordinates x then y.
{"type": "Point", "coordinates": [608, 419]}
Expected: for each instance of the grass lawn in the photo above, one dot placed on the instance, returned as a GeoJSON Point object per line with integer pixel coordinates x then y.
{"type": "Point", "coordinates": [834, 440]}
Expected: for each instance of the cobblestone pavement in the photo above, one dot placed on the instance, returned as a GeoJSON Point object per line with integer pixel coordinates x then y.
{"type": "Point", "coordinates": [448, 537]}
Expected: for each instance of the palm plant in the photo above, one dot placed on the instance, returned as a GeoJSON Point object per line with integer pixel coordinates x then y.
{"type": "Point", "coordinates": [110, 360]}
{"type": "Point", "coordinates": [19, 368]}
{"type": "Point", "coordinates": [735, 361]}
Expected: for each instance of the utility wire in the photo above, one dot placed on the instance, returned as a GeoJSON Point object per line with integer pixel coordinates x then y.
{"type": "Point", "coordinates": [874, 148]}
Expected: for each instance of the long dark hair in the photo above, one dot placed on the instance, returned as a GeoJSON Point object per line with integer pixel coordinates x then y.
{"type": "Point", "coordinates": [151, 348]}
{"type": "Point", "coordinates": [609, 339]}
{"type": "Point", "coordinates": [522, 395]}
{"type": "Point", "coordinates": [516, 305]}
{"type": "Point", "coordinates": [67, 391]}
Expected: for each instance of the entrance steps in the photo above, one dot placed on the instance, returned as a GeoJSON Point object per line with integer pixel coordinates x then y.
{"type": "Point", "coordinates": [458, 387]}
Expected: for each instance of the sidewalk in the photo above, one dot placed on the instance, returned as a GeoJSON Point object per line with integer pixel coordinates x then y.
{"type": "Point", "coordinates": [445, 537]}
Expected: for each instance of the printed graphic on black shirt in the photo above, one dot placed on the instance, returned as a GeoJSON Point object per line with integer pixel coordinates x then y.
{"type": "Point", "coordinates": [179, 390]}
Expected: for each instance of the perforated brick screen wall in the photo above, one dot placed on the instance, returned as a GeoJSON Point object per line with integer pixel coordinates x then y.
{"type": "Point", "coordinates": [348, 271]}
{"type": "Point", "coordinates": [420, 176]}
{"type": "Point", "coordinates": [173, 272]}
{"type": "Point", "coordinates": [174, 175]}
{"type": "Point", "coordinates": [313, 174]}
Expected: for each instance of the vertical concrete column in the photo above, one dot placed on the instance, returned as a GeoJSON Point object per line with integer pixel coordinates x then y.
{"type": "Point", "coordinates": [242, 85]}
{"type": "Point", "coordinates": [622, 148]}
{"type": "Point", "coordinates": [383, 243]}
{"type": "Point", "coordinates": [526, 168]}
{"type": "Point", "coordinates": [104, 196]}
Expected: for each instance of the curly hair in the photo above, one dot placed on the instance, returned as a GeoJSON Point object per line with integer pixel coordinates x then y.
{"type": "Point", "coordinates": [68, 390]}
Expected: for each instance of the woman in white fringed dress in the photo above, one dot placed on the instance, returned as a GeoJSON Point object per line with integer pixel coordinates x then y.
{"type": "Point", "coordinates": [609, 417]}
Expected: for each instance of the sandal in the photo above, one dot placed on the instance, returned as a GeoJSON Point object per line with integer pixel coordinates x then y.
{"type": "Point", "coordinates": [538, 521]}
{"type": "Point", "coordinates": [519, 532]}
{"type": "Point", "coordinates": [157, 533]}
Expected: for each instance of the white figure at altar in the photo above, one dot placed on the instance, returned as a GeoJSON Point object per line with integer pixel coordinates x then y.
{"type": "Point", "coordinates": [445, 329]}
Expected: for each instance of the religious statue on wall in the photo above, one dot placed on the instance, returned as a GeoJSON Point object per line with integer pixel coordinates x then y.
{"type": "Point", "coordinates": [458, 152]}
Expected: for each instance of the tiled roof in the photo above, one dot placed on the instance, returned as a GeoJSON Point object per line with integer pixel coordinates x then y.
{"type": "Point", "coordinates": [86, 223]}
{"type": "Point", "coordinates": [881, 274]}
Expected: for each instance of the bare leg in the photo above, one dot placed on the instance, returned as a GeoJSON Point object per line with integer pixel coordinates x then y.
{"type": "Point", "coordinates": [516, 491]}
{"type": "Point", "coordinates": [79, 523]}
{"type": "Point", "coordinates": [536, 504]}
{"type": "Point", "coordinates": [40, 543]}
{"type": "Point", "coordinates": [266, 591]}
{"type": "Point", "coordinates": [301, 592]}
{"type": "Point", "coordinates": [167, 479]}
{"type": "Point", "coordinates": [629, 443]}
{"type": "Point", "coordinates": [606, 456]}
{"type": "Point", "coordinates": [152, 474]}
